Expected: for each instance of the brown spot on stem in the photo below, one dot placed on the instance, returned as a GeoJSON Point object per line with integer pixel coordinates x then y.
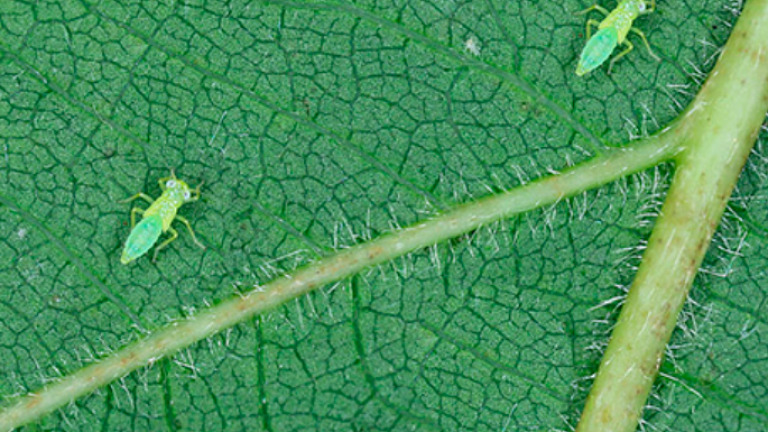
{"type": "Point", "coordinates": [34, 402]}
{"type": "Point", "coordinates": [699, 247]}
{"type": "Point", "coordinates": [660, 324]}
{"type": "Point", "coordinates": [373, 252]}
{"type": "Point", "coordinates": [128, 359]}
{"type": "Point", "coordinates": [606, 417]}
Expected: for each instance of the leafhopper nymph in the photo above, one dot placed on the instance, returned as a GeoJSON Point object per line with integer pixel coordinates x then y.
{"type": "Point", "coordinates": [611, 32]}
{"type": "Point", "coordinates": [158, 218]}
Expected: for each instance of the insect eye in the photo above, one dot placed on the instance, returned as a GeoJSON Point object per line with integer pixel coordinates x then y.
{"type": "Point", "coordinates": [170, 183]}
{"type": "Point", "coordinates": [187, 195]}
{"type": "Point", "coordinates": [641, 7]}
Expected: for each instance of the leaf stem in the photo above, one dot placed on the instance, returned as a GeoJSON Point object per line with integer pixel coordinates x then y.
{"type": "Point", "coordinates": [715, 135]}
{"type": "Point", "coordinates": [717, 132]}
{"type": "Point", "coordinates": [464, 218]}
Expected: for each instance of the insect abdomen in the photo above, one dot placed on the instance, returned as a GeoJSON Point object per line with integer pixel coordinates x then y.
{"type": "Point", "coordinates": [598, 49]}
{"type": "Point", "coordinates": [142, 238]}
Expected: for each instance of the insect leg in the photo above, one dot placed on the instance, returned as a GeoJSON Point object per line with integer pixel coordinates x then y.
{"type": "Point", "coordinates": [196, 192]}
{"type": "Point", "coordinates": [645, 41]}
{"type": "Point", "coordinates": [650, 6]}
{"type": "Point", "coordinates": [174, 236]}
{"type": "Point", "coordinates": [133, 215]}
{"type": "Point", "coordinates": [189, 227]}
{"type": "Point", "coordinates": [596, 7]}
{"type": "Point", "coordinates": [621, 54]}
{"type": "Point", "coordinates": [589, 30]}
{"type": "Point", "coordinates": [141, 195]}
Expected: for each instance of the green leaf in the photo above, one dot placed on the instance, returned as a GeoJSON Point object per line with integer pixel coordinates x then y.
{"type": "Point", "coordinates": [317, 126]}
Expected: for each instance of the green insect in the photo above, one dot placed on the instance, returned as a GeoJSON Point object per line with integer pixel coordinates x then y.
{"type": "Point", "coordinates": [612, 31]}
{"type": "Point", "coordinates": [158, 217]}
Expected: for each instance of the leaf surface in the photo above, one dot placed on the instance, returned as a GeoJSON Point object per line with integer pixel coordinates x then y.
{"type": "Point", "coordinates": [319, 125]}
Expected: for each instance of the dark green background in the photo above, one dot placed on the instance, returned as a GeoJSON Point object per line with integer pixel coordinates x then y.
{"type": "Point", "coordinates": [318, 125]}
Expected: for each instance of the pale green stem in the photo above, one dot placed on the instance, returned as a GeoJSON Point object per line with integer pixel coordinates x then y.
{"type": "Point", "coordinates": [462, 219]}
{"type": "Point", "coordinates": [717, 132]}
{"type": "Point", "coordinates": [465, 218]}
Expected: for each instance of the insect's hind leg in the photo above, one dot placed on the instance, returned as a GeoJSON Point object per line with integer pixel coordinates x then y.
{"type": "Point", "coordinates": [133, 215]}
{"type": "Point", "coordinates": [191, 231]}
{"type": "Point", "coordinates": [645, 41]}
{"type": "Point", "coordinates": [591, 22]}
{"type": "Point", "coordinates": [620, 55]}
{"type": "Point", "coordinates": [174, 236]}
